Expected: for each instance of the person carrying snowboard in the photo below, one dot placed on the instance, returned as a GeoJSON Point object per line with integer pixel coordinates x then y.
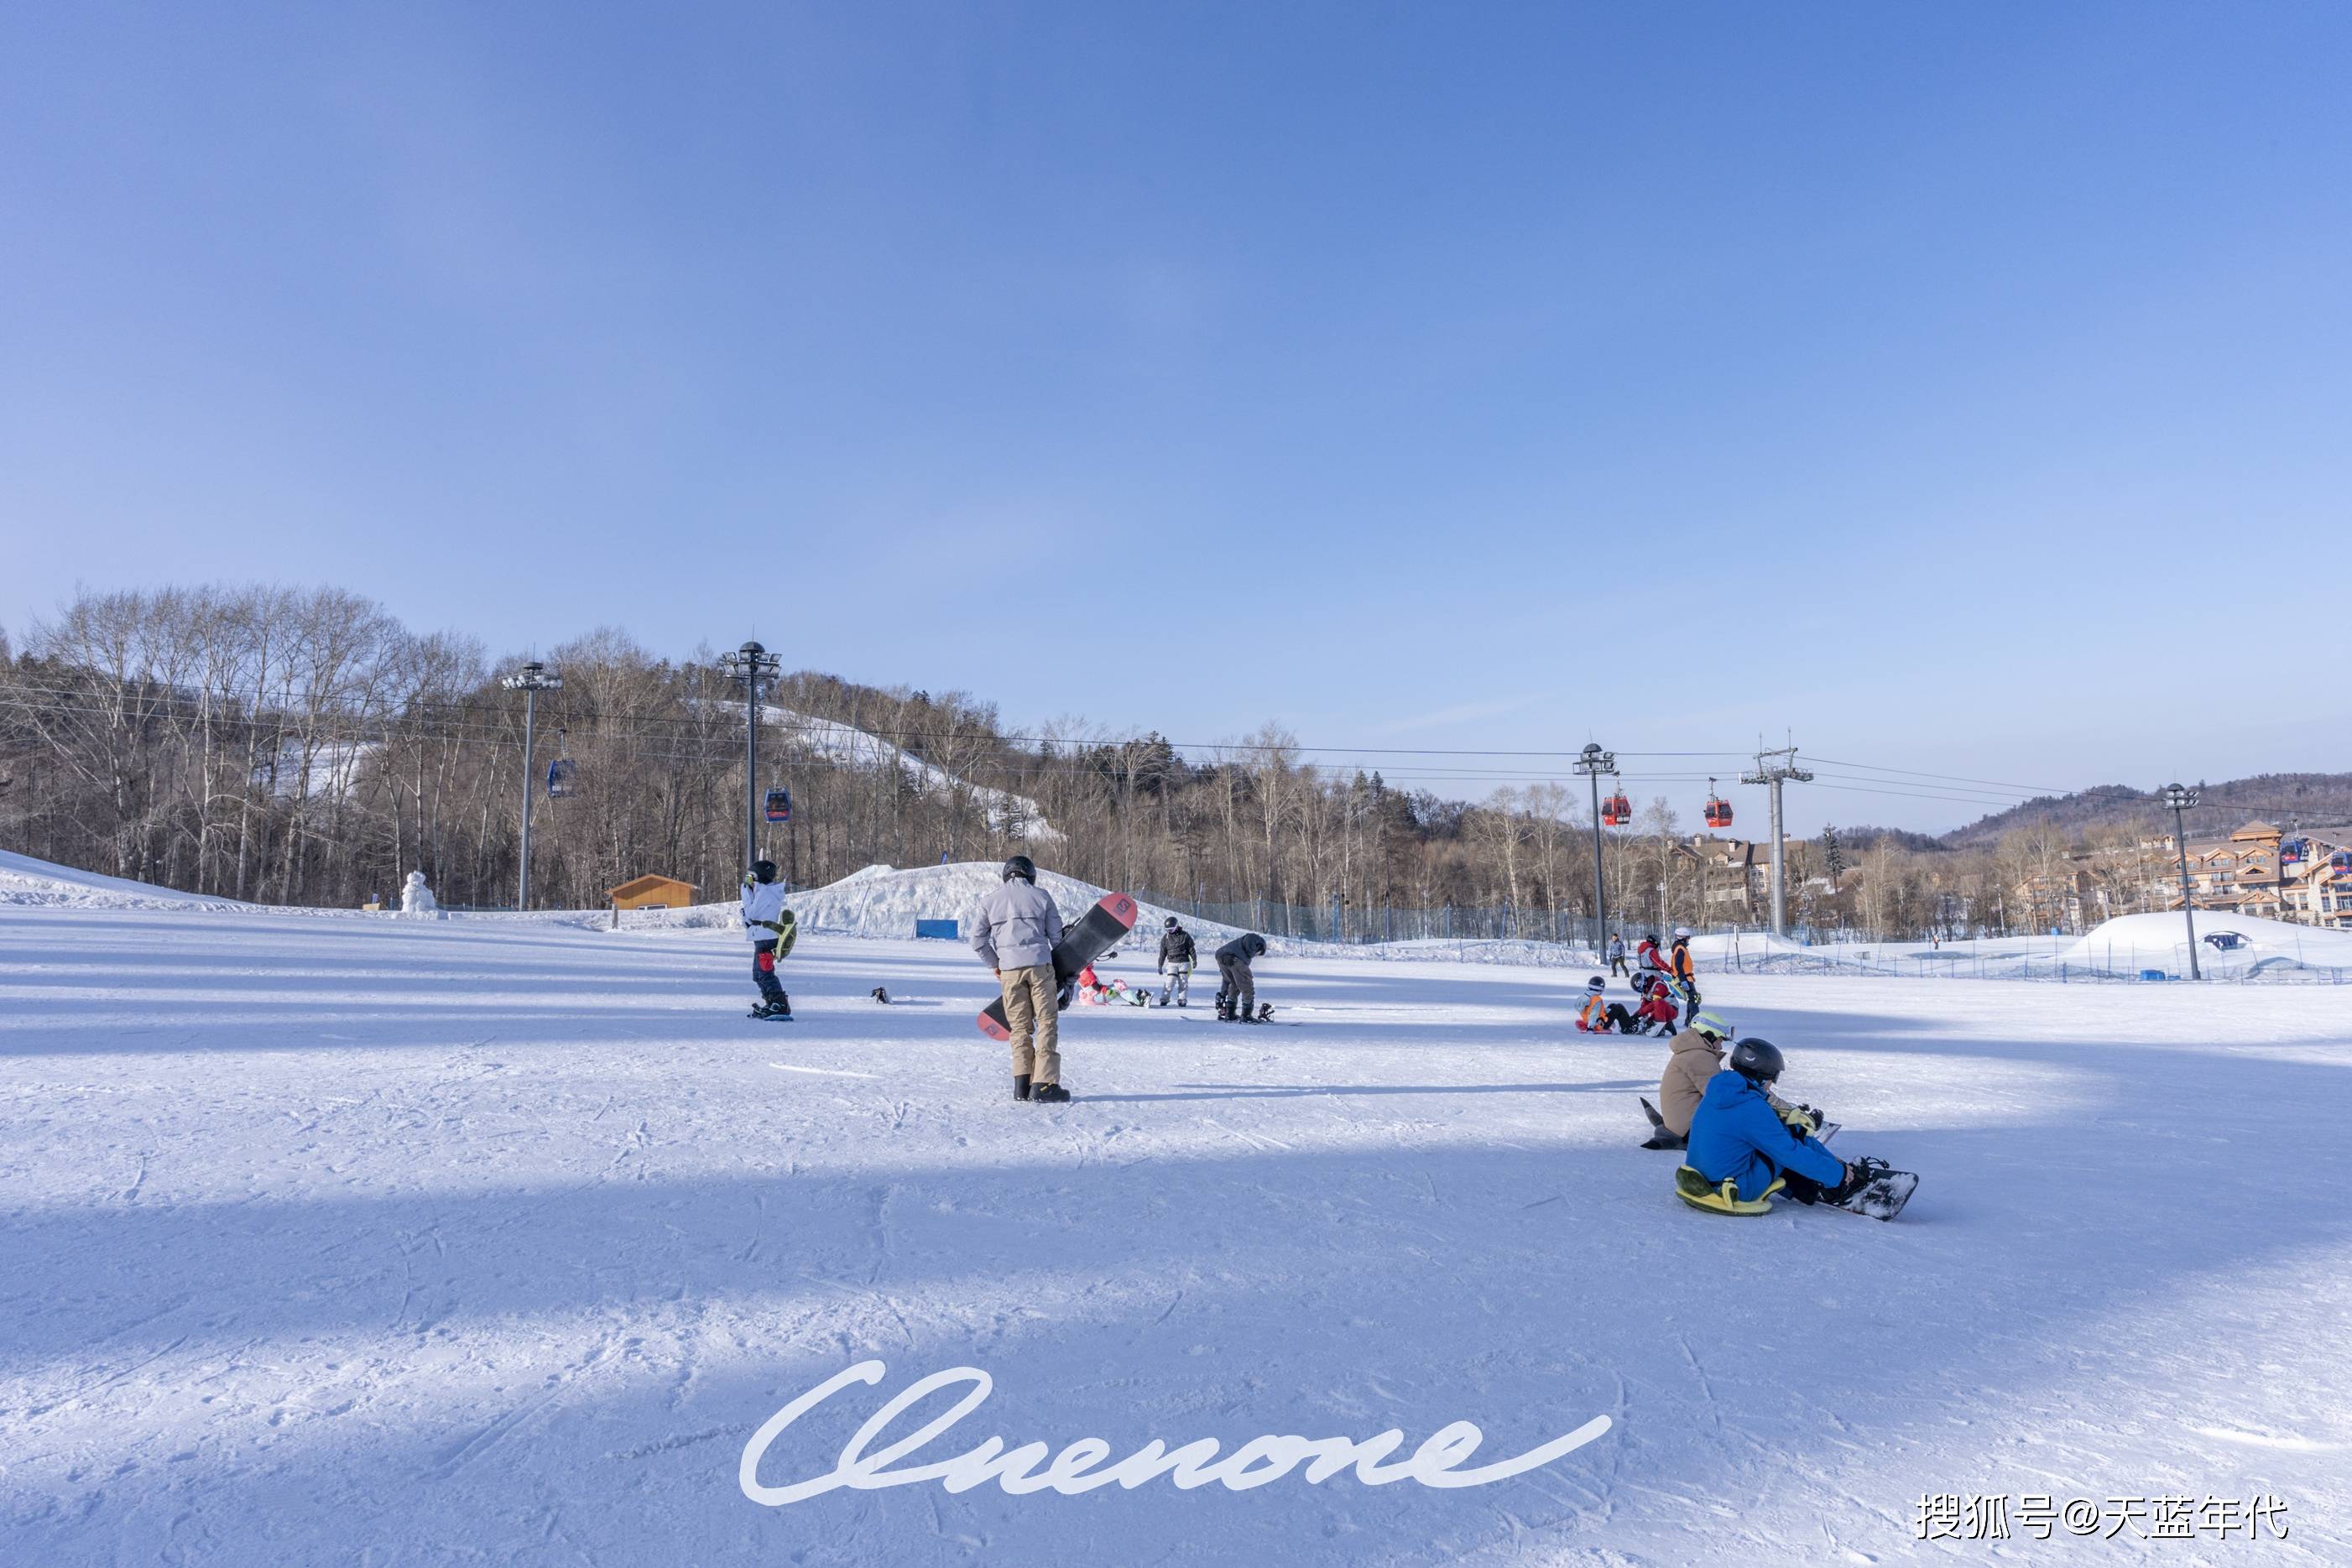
{"type": "Point", "coordinates": [1236, 987]}
{"type": "Point", "coordinates": [1683, 973]}
{"type": "Point", "coordinates": [1740, 1144]}
{"type": "Point", "coordinates": [1598, 1015]}
{"type": "Point", "coordinates": [1617, 953]}
{"type": "Point", "coordinates": [1015, 933]}
{"type": "Point", "coordinates": [1177, 957]}
{"type": "Point", "coordinates": [772, 930]}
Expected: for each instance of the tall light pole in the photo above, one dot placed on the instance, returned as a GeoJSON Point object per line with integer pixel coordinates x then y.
{"type": "Point", "coordinates": [2179, 796]}
{"type": "Point", "coordinates": [533, 680]}
{"type": "Point", "coordinates": [750, 664]}
{"type": "Point", "coordinates": [1775, 769]}
{"type": "Point", "coordinates": [1592, 762]}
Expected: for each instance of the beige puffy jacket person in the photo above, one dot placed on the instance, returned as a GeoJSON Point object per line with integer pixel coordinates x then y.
{"type": "Point", "coordinates": [1693, 1059]}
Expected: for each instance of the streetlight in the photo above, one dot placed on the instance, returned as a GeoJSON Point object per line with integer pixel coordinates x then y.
{"type": "Point", "coordinates": [533, 680]}
{"type": "Point", "coordinates": [2180, 797]}
{"type": "Point", "coordinates": [750, 664]}
{"type": "Point", "coordinates": [1592, 762]}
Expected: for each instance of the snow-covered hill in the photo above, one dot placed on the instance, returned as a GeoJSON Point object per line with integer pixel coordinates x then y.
{"type": "Point", "coordinates": [26, 882]}
{"type": "Point", "coordinates": [2131, 943]}
{"type": "Point", "coordinates": [839, 742]}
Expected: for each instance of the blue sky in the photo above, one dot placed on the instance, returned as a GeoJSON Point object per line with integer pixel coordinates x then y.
{"type": "Point", "coordinates": [1961, 389]}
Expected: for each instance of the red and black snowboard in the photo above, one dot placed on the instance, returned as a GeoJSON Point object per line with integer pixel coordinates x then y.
{"type": "Point", "coordinates": [1112, 917]}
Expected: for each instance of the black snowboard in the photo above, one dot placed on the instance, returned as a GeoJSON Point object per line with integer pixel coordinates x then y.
{"type": "Point", "coordinates": [1111, 918]}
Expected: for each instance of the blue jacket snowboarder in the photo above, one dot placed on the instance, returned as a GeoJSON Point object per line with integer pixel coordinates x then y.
{"type": "Point", "coordinates": [1736, 1135]}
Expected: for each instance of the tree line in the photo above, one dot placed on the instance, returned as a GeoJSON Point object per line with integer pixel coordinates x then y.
{"type": "Point", "coordinates": [300, 746]}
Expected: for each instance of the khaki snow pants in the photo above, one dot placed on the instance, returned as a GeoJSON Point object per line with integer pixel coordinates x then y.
{"type": "Point", "coordinates": [1029, 1010]}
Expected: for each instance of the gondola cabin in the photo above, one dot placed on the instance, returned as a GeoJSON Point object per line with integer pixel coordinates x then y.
{"type": "Point", "coordinates": [561, 781]}
{"type": "Point", "coordinates": [2293, 853]}
{"type": "Point", "coordinates": [1616, 810]}
{"type": "Point", "coordinates": [780, 805]}
{"type": "Point", "coordinates": [1719, 811]}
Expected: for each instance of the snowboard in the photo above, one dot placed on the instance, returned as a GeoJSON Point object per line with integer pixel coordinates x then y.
{"type": "Point", "coordinates": [770, 1018]}
{"type": "Point", "coordinates": [1882, 1198]}
{"type": "Point", "coordinates": [1112, 917]}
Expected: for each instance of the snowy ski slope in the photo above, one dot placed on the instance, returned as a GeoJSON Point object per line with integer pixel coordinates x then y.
{"type": "Point", "coordinates": [371, 1241]}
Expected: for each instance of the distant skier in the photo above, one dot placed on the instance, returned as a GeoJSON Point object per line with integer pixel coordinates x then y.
{"type": "Point", "coordinates": [1617, 953]}
{"type": "Point", "coordinates": [1177, 957]}
{"type": "Point", "coordinates": [1659, 1012]}
{"type": "Point", "coordinates": [1683, 973]}
{"type": "Point", "coordinates": [1737, 1136]}
{"type": "Point", "coordinates": [772, 930]}
{"type": "Point", "coordinates": [1598, 1015]}
{"type": "Point", "coordinates": [1236, 987]}
{"type": "Point", "coordinates": [1015, 933]}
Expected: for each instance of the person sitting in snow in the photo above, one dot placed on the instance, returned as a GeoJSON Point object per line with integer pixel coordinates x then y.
{"type": "Point", "coordinates": [1090, 989]}
{"type": "Point", "coordinates": [1659, 1011]}
{"type": "Point", "coordinates": [1694, 1058]}
{"type": "Point", "coordinates": [1601, 1016]}
{"type": "Point", "coordinates": [1737, 1134]}
{"type": "Point", "coordinates": [772, 930]}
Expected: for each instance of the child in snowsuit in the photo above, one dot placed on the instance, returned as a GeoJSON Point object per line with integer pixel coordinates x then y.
{"type": "Point", "coordinates": [1645, 956]}
{"type": "Point", "coordinates": [1598, 1015]}
{"type": "Point", "coordinates": [1236, 989]}
{"type": "Point", "coordinates": [1090, 989]}
{"type": "Point", "coordinates": [1736, 1135]}
{"type": "Point", "coordinates": [1177, 955]}
{"type": "Point", "coordinates": [1658, 1013]}
{"type": "Point", "coordinates": [771, 929]}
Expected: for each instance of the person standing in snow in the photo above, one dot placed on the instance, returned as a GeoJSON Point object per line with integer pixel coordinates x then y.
{"type": "Point", "coordinates": [1177, 955]}
{"type": "Point", "coordinates": [1647, 955]}
{"type": "Point", "coordinates": [1016, 934]}
{"type": "Point", "coordinates": [1738, 1136]}
{"type": "Point", "coordinates": [1684, 972]}
{"type": "Point", "coordinates": [1236, 988]}
{"type": "Point", "coordinates": [772, 930]}
{"type": "Point", "coordinates": [1617, 953]}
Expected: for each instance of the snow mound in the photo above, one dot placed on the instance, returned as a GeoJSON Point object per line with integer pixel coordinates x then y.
{"type": "Point", "coordinates": [882, 903]}
{"type": "Point", "coordinates": [25, 881]}
{"type": "Point", "coordinates": [2130, 944]}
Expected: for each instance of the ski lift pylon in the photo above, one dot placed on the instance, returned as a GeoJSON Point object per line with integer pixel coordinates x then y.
{"type": "Point", "coordinates": [780, 804]}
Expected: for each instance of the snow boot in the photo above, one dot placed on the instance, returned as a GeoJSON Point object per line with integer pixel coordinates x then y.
{"type": "Point", "coordinates": [1020, 1086]}
{"type": "Point", "coordinates": [1050, 1094]}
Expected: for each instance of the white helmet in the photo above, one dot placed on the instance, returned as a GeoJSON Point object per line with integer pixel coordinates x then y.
{"type": "Point", "coordinates": [1682, 933]}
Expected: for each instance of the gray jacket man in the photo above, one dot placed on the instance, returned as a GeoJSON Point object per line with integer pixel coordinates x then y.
{"type": "Point", "coordinates": [1016, 932]}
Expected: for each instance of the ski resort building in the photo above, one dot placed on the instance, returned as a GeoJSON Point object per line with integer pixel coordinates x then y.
{"type": "Point", "coordinates": [652, 892]}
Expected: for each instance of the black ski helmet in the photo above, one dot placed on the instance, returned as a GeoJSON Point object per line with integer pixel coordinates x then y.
{"type": "Point", "coordinates": [1022, 867]}
{"type": "Point", "coordinates": [1256, 944]}
{"type": "Point", "coordinates": [1757, 1060]}
{"type": "Point", "coordinates": [763, 871]}
{"type": "Point", "coordinates": [1171, 923]}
